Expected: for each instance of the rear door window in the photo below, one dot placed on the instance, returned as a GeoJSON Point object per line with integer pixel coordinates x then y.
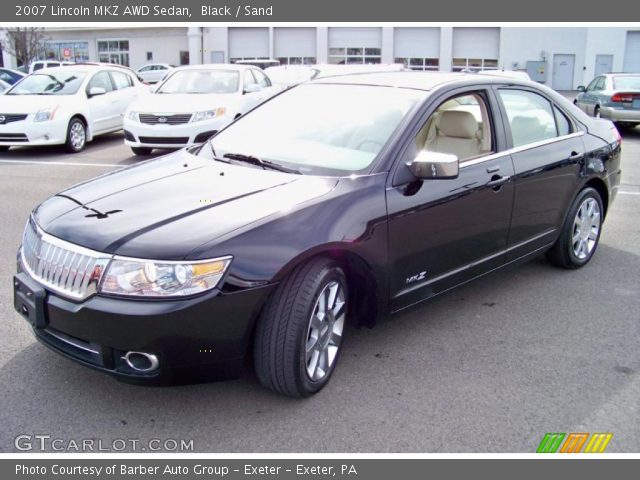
{"type": "Point", "coordinates": [531, 116]}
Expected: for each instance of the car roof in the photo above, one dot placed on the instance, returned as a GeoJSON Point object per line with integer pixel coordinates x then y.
{"type": "Point", "coordinates": [216, 66]}
{"type": "Point", "coordinates": [80, 67]}
{"type": "Point", "coordinates": [415, 80]}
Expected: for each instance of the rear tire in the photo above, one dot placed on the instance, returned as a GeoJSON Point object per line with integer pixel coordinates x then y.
{"type": "Point", "coordinates": [580, 233]}
{"type": "Point", "coordinates": [299, 334]}
{"type": "Point", "coordinates": [76, 136]}
{"type": "Point", "coordinates": [141, 150]}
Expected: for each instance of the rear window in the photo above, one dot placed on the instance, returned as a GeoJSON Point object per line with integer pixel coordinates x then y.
{"type": "Point", "coordinates": [627, 82]}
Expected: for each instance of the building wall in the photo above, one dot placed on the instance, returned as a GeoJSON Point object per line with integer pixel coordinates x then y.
{"type": "Point", "coordinates": [516, 45]}
{"type": "Point", "coordinates": [165, 43]}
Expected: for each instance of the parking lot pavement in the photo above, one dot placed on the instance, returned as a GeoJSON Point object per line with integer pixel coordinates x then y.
{"type": "Point", "coordinates": [490, 367]}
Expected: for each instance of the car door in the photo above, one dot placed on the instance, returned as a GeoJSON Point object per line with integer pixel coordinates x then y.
{"type": "Point", "coordinates": [103, 108]}
{"type": "Point", "coordinates": [124, 93]}
{"type": "Point", "coordinates": [446, 231]}
{"type": "Point", "coordinates": [547, 152]}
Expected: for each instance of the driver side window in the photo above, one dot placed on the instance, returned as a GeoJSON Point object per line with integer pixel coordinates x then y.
{"type": "Point", "coordinates": [460, 126]}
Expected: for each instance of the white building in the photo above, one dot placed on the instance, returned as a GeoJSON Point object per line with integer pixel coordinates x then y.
{"type": "Point", "coordinates": [561, 57]}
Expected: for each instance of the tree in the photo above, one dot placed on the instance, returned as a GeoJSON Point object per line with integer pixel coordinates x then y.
{"type": "Point", "coordinates": [24, 43]}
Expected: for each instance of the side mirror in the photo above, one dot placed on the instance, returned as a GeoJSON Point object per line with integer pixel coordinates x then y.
{"type": "Point", "coordinates": [252, 88]}
{"type": "Point", "coordinates": [434, 165]}
{"type": "Point", "coordinates": [93, 91]}
{"type": "Point", "coordinates": [581, 88]}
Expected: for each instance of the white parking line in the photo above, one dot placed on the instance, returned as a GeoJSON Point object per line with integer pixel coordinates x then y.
{"type": "Point", "coordinates": [64, 164]}
{"type": "Point", "coordinates": [628, 193]}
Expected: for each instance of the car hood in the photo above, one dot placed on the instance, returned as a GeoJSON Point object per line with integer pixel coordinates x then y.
{"type": "Point", "coordinates": [181, 102]}
{"type": "Point", "coordinates": [31, 103]}
{"type": "Point", "coordinates": [165, 208]}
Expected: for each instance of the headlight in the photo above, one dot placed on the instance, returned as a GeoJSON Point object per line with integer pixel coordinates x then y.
{"type": "Point", "coordinates": [154, 278]}
{"type": "Point", "coordinates": [208, 114]}
{"type": "Point", "coordinates": [45, 114]}
{"type": "Point", "coordinates": [133, 116]}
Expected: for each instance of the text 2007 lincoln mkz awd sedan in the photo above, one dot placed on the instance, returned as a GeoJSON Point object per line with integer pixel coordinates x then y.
{"type": "Point", "coordinates": [333, 202]}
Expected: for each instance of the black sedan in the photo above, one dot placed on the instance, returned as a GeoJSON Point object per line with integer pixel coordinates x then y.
{"type": "Point", "coordinates": [336, 201]}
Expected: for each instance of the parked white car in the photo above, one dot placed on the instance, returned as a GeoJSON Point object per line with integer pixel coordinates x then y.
{"type": "Point", "coordinates": [154, 72]}
{"type": "Point", "coordinates": [192, 104]}
{"type": "Point", "coordinates": [67, 105]}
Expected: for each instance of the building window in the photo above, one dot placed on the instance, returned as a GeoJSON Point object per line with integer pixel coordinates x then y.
{"type": "Point", "coordinates": [68, 51]}
{"type": "Point", "coordinates": [297, 60]}
{"type": "Point", "coordinates": [184, 57]}
{"type": "Point", "coordinates": [417, 63]}
{"type": "Point", "coordinates": [355, 55]}
{"type": "Point", "coordinates": [474, 64]}
{"type": "Point", "coordinates": [114, 51]}
{"type": "Point", "coordinates": [149, 56]}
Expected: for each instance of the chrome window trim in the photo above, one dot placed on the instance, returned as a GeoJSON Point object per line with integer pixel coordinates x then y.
{"type": "Point", "coordinates": [521, 148]}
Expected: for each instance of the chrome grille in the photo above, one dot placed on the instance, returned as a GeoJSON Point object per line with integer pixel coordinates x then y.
{"type": "Point", "coordinates": [171, 119]}
{"type": "Point", "coordinates": [68, 269]}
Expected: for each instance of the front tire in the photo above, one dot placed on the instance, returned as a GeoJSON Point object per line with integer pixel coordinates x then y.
{"type": "Point", "coordinates": [141, 150]}
{"type": "Point", "coordinates": [580, 233]}
{"type": "Point", "coordinates": [76, 136]}
{"type": "Point", "coordinates": [299, 334]}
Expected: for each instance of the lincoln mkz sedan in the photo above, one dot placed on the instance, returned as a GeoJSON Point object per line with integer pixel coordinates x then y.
{"type": "Point", "coordinates": [336, 201]}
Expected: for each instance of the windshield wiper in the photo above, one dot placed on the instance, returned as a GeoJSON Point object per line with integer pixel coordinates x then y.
{"type": "Point", "coordinates": [240, 157]}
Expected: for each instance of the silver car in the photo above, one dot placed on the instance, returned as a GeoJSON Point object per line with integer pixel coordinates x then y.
{"type": "Point", "coordinates": [615, 96]}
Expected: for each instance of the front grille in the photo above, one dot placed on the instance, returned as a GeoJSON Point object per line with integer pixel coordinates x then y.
{"type": "Point", "coordinates": [164, 140]}
{"type": "Point", "coordinates": [63, 267]}
{"type": "Point", "coordinates": [11, 117]}
{"type": "Point", "coordinates": [174, 119]}
{"type": "Point", "coordinates": [13, 137]}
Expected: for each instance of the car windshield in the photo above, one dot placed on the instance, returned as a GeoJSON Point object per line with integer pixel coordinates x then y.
{"type": "Point", "coordinates": [201, 81]}
{"type": "Point", "coordinates": [321, 129]}
{"type": "Point", "coordinates": [626, 82]}
{"type": "Point", "coordinates": [63, 82]}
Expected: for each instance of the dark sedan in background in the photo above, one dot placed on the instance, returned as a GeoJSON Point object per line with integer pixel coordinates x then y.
{"type": "Point", "coordinates": [614, 96]}
{"type": "Point", "coordinates": [336, 201]}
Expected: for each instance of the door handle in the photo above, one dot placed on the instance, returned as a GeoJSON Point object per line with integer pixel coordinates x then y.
{"type": "Point", "coordinates": [497, 181]}
{"type": "Point", "coordinates": [575, 156]}
{"type": "Point", "coordinates": [493, 169]}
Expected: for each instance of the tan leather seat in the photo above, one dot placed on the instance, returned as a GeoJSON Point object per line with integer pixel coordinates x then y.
{"type": "Point", "coordinates": [457, 133]}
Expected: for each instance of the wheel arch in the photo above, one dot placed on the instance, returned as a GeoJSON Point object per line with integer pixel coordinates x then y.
{"type": "Point", "coordinates": [365, 292]}
{"type": "Point", "coordinates": [599, 186]}
{"type": "Point", "coordinates": [84, 120]}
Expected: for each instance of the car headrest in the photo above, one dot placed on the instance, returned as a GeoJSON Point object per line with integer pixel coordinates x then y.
{"type": "Point", "coordinates": [457, 123]}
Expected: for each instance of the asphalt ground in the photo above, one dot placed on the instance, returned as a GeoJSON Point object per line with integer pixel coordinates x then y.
{"type": "Point", "coordinates": [490, 367]}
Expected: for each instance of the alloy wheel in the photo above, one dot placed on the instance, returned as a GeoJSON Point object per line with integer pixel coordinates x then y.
{"type": "Point", "coordinates": [324, 335]}
{"type": "Point", "coordinates": [77, 135]}
{"type": "Point", "coordinates": [586, 227]}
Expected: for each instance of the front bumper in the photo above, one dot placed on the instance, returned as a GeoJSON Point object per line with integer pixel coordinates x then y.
{"type": "Point", "coordinates": [28, 132]}
{"type": "Point", "coordinates": [206, 335]}
{"type": "Point", "coordinates": [171, 136]}
{"type": "Point", "coordinates": [620, 115]}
